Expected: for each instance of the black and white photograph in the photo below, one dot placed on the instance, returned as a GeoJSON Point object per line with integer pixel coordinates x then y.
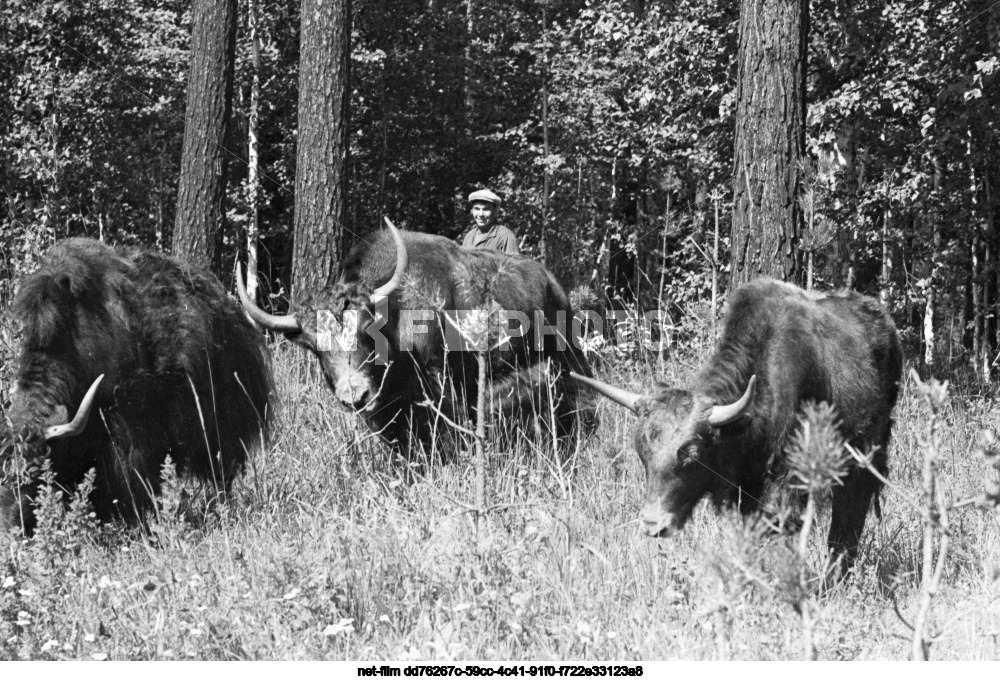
{"type": "Point", "coordinates": [532, 338]}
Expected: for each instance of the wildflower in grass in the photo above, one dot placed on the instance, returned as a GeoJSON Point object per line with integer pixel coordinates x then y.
{"type": "Point", "coordinates": [106, 582]}
{"type": "Point", "coordinates": [412, 654]}
{"type": "Point", "coordinates": [344, 626]}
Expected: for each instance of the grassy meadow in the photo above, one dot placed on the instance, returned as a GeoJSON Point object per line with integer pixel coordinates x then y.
{"type": "Point", "coordinates": [327, 549]}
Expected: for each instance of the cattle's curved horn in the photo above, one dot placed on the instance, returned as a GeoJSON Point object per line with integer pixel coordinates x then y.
{"type": "Point", "coordinates": [276, 323]}
{"type": "Point", "coordinates": [75, 426]}
{"type": "Point", "coordinates": [616, 394]}
{"type": "Point", "coordinates": [383, 291]}
{"type": "Point", "coordinates": [721, 415]}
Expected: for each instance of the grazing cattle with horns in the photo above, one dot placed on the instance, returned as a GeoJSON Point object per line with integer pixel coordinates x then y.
{"type": "Point", "coordinates": [403, 291]}
{"type": "Point", "coordinates": [726, 437]}
{"type": "Point", "coordinates": [152, 357]}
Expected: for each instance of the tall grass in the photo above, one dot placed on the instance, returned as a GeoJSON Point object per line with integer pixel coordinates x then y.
{"type": "Point", "coordinates": [328, 548]}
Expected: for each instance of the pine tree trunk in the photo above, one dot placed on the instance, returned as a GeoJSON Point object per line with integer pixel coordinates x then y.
{"type": "Point", "coordinates": [470, 25]}
{"type": "Point", "coordinates": [202, 184]}
{"type": "Point", "coordinates": [884, 293]}
{"type": "Point", "coordinates": [321, 161]}
{"type": "Point", "coordinates": [931, 307]}
{"type": "Point", "coordinates": [770, 139]}
{"type": "Point", "coordinates": [975, 266]}
{"type": "Point", "coordinates": [253, 158]}
{"type": "Point", "coordinates": [975, 279]}
{"type": "Point", "coordinates": [543, 241]}
{"type": "Point", "coordinates": [987, 345]}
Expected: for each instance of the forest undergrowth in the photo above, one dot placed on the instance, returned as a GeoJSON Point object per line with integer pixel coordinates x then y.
{"type": "Point", "coordinates": [329, 549]}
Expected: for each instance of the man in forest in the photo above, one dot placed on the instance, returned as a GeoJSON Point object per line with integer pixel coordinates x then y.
{"type": "Point", "coordinates": [487, 233]}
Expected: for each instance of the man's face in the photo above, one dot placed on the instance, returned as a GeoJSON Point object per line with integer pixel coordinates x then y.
{"type": "Point", "coordinates": [483, 214]}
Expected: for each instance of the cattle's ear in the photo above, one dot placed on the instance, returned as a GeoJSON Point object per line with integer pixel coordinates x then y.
{"type": "Point", "coordinates": [309, 328]}
{"type": "Point", "coordinates": [58, 416]}
{"type": "Point", "coordinates": [306, 338]}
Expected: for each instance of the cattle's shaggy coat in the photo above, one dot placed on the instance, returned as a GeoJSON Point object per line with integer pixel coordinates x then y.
{"type": "Point", "coordinates": [440, 276]}
{"type": "Point", "coordinates": [185, 375]}
{"type": "Point", "coordinates": [839, 348]}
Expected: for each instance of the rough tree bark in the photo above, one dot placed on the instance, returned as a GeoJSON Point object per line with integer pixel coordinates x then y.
{"type": "Point", "coordinates": [202, 184]}
{"type": "Point", "coordinates": [543, 241]}
{"type": "Point", "coordinates": [253, 159]}
{"type": "Point", "coordinates": [930, 307]}
{"type": "Point", "coordinates": [770, 139]}
{"type": "Point", "coordinates": [321, 161]}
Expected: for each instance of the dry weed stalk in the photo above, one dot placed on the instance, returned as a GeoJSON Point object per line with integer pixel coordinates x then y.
{"type": "Point", "coordinates": [754, 556]}
{"type": "Point", "coordinates": [988, 447]}
{"type": "Point", "coordinates": [734, 563]}
{"type": "Point", "coordinates": [934, 507]}
{"type": "Point", "coordinates": [934, 515]}
{"type": "Point", "coordinates": [481, 416]}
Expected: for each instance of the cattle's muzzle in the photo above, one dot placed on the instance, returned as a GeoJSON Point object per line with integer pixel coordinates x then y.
{"type": "Point", "coordinates": [354, 390]}
{"type": "Point", "coordinates": [658, 523]}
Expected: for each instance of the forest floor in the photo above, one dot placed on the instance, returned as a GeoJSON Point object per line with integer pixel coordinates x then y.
{"type": "Point", "coordinates": [329, 550]}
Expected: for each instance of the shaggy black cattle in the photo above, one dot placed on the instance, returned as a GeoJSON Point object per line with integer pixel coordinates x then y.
{"type": "Point", "coordinates": [727, 439]}
{"type": "Point", "coordinates": [408, 293]}
{"type": "Point", "coordinates": [185, 374]}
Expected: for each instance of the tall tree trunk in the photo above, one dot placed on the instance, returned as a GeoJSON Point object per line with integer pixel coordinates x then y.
{"type": "Point", "coordinates": [543, 241]}
{"type": "Point", "coordinates": [253, 158]}
{"type": "Point", "coordinates": [990, 290]}
{"type": "Point", "coordinates": [975, 265]}
{"type": "Point", "coordinates": [383, 133]}
{"type": "Point", "coordinates": [717, 200]}
{"type": "Point", "coordinates": [884, 292]}
{"type": "Point", "coordinates": [931, 305]}
{"type": "Point", "coordinates": [321, 161]}
{"type": "Point", "coordinates": [202, 183]}
{"type": "Point", "coordinates": [470, 100]}
{"type": "Point", "coordinates": [770, 139]}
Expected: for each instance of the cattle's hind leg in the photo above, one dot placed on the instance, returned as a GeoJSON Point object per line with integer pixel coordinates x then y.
{"type": "Point", "coordinates": [850, 510]}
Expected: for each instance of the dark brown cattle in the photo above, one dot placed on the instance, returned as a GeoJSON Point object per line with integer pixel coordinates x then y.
{"type": "Point", "coordinates": [158, 357]}
{"type": "Point", "coordinates": [407, 292]}
{"type": "Point", "coordinates": [726, 436]}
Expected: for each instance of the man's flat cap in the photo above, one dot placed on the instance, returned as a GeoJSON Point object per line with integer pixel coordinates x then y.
{"type": "Point", "coordinates": [484, 195]}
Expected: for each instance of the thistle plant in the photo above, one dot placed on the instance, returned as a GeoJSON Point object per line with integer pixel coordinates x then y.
{"type": "Point", "coordinates": [818, 461]}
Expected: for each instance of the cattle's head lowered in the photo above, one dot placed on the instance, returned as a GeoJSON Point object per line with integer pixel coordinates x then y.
{"type": "Point", "coordinates": [682, 442]}
{"type": "Point", "coordinates": [34, 437]}
{"type": "Point", "coordinates": [153, 359]}
{"type": "Point", "coordinates": [354, 354]}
